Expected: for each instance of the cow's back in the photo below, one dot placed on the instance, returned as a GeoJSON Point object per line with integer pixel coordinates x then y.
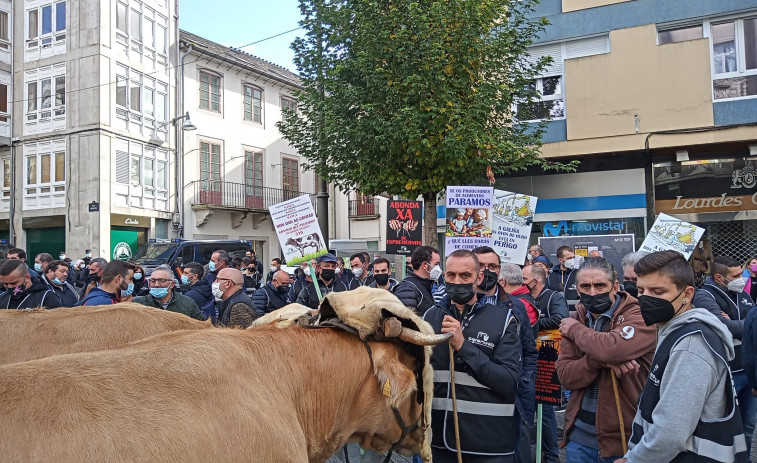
{"type": "Point", "coordinates": [33, 334]}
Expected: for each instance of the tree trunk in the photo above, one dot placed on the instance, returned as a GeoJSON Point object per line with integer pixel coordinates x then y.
{"type": "Point", "coordinates": [429, 220]}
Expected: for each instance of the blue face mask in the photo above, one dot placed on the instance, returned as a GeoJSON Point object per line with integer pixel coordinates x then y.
{"type": "Point", "coordinates": [57, 281]}
{"type": "Point", "coordinates": [127, 292]}
{"type": "Point", "coordinates": [159, 293]}
{"type": "Point", "coordinates": [138, 276]}
{"type": "Point", "coordinates": [38, 266]}
{"type": "Point", "coordinates": [212, 266]}
{"type": "Point", "coordinates": [184, 280]}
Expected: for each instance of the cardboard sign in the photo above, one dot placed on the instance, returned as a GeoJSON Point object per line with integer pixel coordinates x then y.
{"type": "Point", "coordinates": [404, 226]}
{"type": "Point", "coordinates": [669, 233]}
{"type": "Point", "coordinates": [468, 217]}
{"type": "Point", "coordinates": [512, 222]}
{"type": "Point", "coordinates": [548, 389]}
{"type": "Point", "coordinates": [297, 227]}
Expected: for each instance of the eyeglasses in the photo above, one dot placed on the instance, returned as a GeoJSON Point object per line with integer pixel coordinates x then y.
{"type": "Point", "coordinates": [160, 281]}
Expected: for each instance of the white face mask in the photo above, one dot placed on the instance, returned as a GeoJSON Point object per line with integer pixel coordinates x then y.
{"type": "Point", "coordinates": [569, 263]}
{"type": "Point", "coordinates": [217, 293]}
{"type": "Point", "coordinates": [337, 271]}
{"type": "Point", "coordinates": [737, 285]}
{"type": "Point", "coordinates": [273, 268]}
{"type": "Point", "coordinates": [306, 271]}
{"type": "Point", "coordinates": [436, 272]}
{"type": "Point", "coordinates": [358, 271]}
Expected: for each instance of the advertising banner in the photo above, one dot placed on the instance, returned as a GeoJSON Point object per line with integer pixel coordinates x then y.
{"type": "Point", "coordinates": [468, 217]}
{"type": "Point", "coordinates": [297, 227]}
{"type": "Point", "coordinates": [611, 247]}
{"type": "Point", "coordinates": [404, 226]}
{"type": "Point", "coordinates": [674, 234]}
{"type": "Point", "coordinates": [512, 222]}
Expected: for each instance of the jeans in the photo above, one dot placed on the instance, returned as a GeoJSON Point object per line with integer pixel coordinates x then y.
{"type": "Point", "coordinates": [549, 435]}
{"type": "Point", "coordinates": [579, 453]}
{"type": "Point", "coordinates": [747, 407]}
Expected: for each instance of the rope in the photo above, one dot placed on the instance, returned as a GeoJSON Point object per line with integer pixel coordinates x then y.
{"type": "Point", "coordinates": [454, 402]}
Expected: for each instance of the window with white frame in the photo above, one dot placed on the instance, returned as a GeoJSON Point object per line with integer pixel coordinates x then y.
{"type": "Point", "coordinates": [287, 103]}
{"type": "Point", "coordinates": [734, 58]}
{"type": "Point", "coordinates": [141, 175]}
{"type": "Point", "coordinates": [141, 102]}
{"type": "Point", "coordinates": [45, 99]}
{"type": "Point", "coordinates": [44, 174]}
{"type": "Point", "coordinates": [142, 32]}
{"type": "Point", "coordinates": [5, 165]}
{"type": "Point", "coordinates": [210, 91]}
{"type": "Point", "coordinates": [253, 104]}
{"type": "Point", "coordinates": [45, 28]}
{"type": "Point", "coordinates": [550, 83]}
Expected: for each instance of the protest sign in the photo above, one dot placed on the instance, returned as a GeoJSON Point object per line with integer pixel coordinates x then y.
{"type": "Point", "coordinates": [468, 217]}
{"type": "Point", "coordinates": [297, 227]}
{"type": "Point", "coordinates": [669, 233]}
{"type": "Point", "coordinates": [548, 389]}
{"type": "Point", "coordinates": [511, 225]}
{"type": "Point", "coordinates": [404, 226]}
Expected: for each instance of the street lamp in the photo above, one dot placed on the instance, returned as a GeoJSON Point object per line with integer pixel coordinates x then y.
{"type": "Point", "coordinates": [186, 126]}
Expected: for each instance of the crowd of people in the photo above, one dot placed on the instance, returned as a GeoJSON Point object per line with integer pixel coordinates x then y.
{"type": "Point", "coordinates": [655, 368]}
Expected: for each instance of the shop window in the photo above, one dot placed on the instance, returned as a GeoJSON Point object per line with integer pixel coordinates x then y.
{"type": "Point", "coordinates": [44, 174]}
{"type": "Point", "coordinates": [734, 58]}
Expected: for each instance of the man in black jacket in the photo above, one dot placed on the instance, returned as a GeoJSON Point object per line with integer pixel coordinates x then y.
{"type": "Point", "coordinates": [199, 290]}
{"type": "Point", "coordinates": [234, 306]}
{"type": "Point", "coordinates": [23, 291]}
{"type": "Point", "coordinates": [56, 276]}
{"type": "Point", "coordinates": [724, 295]}
{"type": "Point", "coordinates": [563, 276]}
{"type": "Point", "coordinates": [327, 282]}
{"type": "Point", "coordinates": [487, 357]}
{"type": "Point", "coordinates": [415, 290]}
{"type": "Point", "coordinates": [273, 295]}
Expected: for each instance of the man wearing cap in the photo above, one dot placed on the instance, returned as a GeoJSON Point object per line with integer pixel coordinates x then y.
{"type": "Point", "coordinates": [543, 262]}
{"type": "Point", "coordinates": [327, 282]}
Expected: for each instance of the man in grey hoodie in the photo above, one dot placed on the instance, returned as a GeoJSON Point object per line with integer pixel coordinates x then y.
{"type": "Point", "coordinates": [687, 411]}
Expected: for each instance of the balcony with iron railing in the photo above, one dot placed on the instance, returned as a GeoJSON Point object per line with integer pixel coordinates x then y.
{"type": "Point", "coordinates": [240, 197]}
{"type": "Point", "coordinates": [364, 209]}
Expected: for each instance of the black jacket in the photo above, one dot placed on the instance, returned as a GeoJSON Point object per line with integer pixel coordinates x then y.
{"type": "Point", "coordinates": [415, 292]}
{"type": "Point", "coordinates": [66, 293]}
{"type": "Point", "coordinates": [38, 295]}
{"type": "Point", "coordinates": [714, 298]}
{"type": "Point", "coordinates": [552, 309]}
{"type": "Point", "coordinates": [202, 294]}
{"type": "Point", "coordinates": [267, 299]}
{"type": "Point", "coordinates": [487, 368]}
{"type": "Point", "coordinates": [309, 298]}
{"type": "Point", "coordinates": [564, 282]}
{"type": "Point", "coordinates": [237, 310]}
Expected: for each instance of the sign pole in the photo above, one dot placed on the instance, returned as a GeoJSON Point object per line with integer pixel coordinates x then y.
{"type": "Point", "coordinates": [539, 423]}
{"type": "Point", "coordinates": [315, 281]}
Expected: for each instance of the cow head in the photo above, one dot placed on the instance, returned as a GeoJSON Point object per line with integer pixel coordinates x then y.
{"type": "Point", "coordinates": [404, 366]}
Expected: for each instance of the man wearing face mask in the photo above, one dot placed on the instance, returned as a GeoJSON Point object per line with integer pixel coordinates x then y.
{"type": "Point", "coordinates": [234, 305]}
{"type": "Point", "coordinates": [273, 295]}
{"type": "Point", "coordinates": [23, 291]}
{"type": "Point", "coordinates": [96, 268]}
{"type": "Point", "coordinates": [486, 361]}
{"type": "Point", "coordinates": [199, 290]}
{"type": "Point", "coordinates": [275, 267]}
{"type": "Point", "coordinates": [605, 336]}
{"type": "Point", "coordinates": [219, 260]}
{"type": "Point", "coordinates": [629, 276]}
{"type": "Point", "coordinates": [163, 294]}
{"type": "Point", "coordinates": [381, 279]}
{"type": "Point", "coordinates": [359, 269]}
{"type": "Point", "coordinates": [496, 295]}
{"type": "Point", "coordinates": [563, 277]}
{"type": "Point", "coordinates": [302, 280]}
{"type": "Point", "coordinates": [327, 282]}
{"type": "Point", "coordinates": [687, 410]}
{"type": "Point", "coordinates": [41, 261]}
{"type": "Point", "coordinates": [56, 275]}
{"type": "Point", "coordinates": [415, 290]}
{"type": "Point", "coordinates": [724, 296]}
{"type": "Point", "coordinates": [115, 283]}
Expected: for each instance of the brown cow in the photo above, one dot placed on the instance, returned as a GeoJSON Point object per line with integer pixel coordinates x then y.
{"type": "Point", "coordinates": [32, 334]}
{"type": "Point", "coordinates": [262, 395]}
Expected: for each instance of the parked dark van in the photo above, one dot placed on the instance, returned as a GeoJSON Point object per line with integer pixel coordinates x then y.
{"type": "Point", "coordinates": [178, 252]}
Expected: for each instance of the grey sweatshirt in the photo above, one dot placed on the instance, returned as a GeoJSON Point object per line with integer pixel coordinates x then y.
{"type": "Point", "coordinates": [692, 387]}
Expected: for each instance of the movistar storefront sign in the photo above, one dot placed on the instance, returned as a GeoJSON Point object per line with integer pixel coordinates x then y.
{"type": "Point", "coordinates": [583, 227]}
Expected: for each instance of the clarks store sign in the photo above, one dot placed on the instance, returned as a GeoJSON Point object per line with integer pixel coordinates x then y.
{"type": "Point", "coordinates": [708, 186]}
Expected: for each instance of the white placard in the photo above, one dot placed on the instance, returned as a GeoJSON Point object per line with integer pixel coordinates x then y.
{"type": "Point", "coordinates": [468, 217]}
{"type": "Point", "coordinates": [297, 227]}
{"type": "Point", "coordinates": [511, 226]}
{"type": "Point", "coordinates": [669, 233]}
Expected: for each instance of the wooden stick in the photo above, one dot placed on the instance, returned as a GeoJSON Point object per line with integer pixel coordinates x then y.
{"type": "Point", "coordinates": [620, 412]}
{"type": "Point", "coordinates": [454, 402]}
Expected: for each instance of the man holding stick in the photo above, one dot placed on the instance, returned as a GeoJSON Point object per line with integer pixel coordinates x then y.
{"type": "Point", "coordinates": [606, 352]}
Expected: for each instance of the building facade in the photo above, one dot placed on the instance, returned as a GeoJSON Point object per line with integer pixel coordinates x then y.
{"type": "Point", "coordinates": [85, 98]}
{"type": "Point", "coordinates": [658, 101]}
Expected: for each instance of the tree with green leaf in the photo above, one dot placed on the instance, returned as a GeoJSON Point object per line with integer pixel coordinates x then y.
{"type": "Point", "coordinates": [405, 97]}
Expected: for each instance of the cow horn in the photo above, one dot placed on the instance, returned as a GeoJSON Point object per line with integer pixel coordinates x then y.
{"type": "Point", "coordinates": [420, 339]}
{"type": "Point", "coordinates": [392, 327]}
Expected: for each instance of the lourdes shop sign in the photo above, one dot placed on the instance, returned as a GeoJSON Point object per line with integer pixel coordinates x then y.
{"type": "Point", "coordinates": [719, 185]}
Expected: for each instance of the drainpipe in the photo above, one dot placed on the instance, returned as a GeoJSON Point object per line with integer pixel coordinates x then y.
{"type": "Point", "coordinates": [180, 144]}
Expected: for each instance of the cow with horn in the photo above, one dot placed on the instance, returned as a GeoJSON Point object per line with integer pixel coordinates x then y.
{"type": "Point", "coordinates": [269, 393]}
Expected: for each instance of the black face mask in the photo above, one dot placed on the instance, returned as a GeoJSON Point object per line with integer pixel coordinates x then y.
{"type": "Point", "coordinates": [17, 292]}
{"type": "Point", "coordinates": [382, 279]}
{"type": "Point", "coordinates": [596, 304]}
{"type": "Point", "coordinates": [489, 281]}
{"type": "Point", "coordinates": [656, 309]}
{"type": "Point", "coordinates": [93, 277]}
{"type": "Point", "coordinates": [328, 274]}
{"type": "Point", "coordinates": [460, 293]}
{"type": "Point", "coordinates": [630, 287]}
{"type": "Point", "coordinates": [283, 289]}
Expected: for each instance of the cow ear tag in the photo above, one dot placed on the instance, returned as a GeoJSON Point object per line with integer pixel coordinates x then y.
{"type": "Point", "coordinates": [387, 389]}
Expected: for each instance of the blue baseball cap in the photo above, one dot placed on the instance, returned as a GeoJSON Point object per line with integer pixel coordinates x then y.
{"type": "Point", "coordinates": [543, 260]}
{"type": "Point", "coordinates": [328, 257]}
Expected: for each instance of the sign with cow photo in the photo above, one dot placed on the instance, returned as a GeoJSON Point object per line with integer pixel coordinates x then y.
{"type": "Point", "coordinates": [468, 219]}
{"type": "Point", "coordinates": [297, 227]}
{"type": "Point", "coordinates": [512, 222]}
{"type": "Point", "coordinates": [404, 226]}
